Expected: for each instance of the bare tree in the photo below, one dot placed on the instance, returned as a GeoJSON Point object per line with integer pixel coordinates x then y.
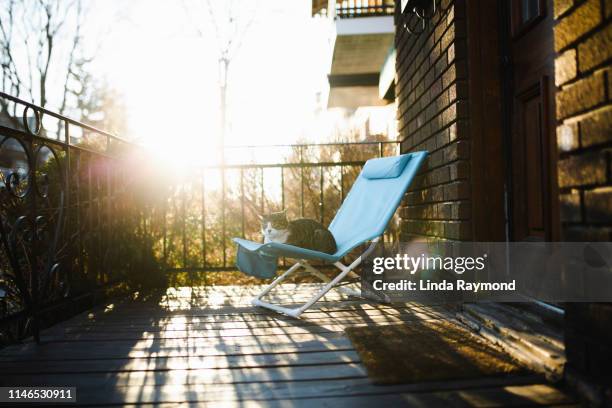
{"type": "Point", "coordinates": [39, 38]}
{"type": "Point", "coordinates": [231, 22]}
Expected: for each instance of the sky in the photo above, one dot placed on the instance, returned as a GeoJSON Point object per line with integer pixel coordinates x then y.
{"type": "Point", "coordinates": [162, 56]}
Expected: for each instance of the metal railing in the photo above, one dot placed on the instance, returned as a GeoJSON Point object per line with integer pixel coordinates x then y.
{"type": "Point", "coordinates": [310, 181]}
{"type": "Point", "coordinates": [60, 221]}
{"type": "Point", "coordinates": [363, 8]}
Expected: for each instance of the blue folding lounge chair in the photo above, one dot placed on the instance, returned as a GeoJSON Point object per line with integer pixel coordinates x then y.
{"type": "Point", "coordinates": [363, 217]}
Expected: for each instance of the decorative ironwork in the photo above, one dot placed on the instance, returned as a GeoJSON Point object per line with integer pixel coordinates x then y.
{"type": "Point", "coordinates": [53, 214]}
{"type": "Point", "coordinates": [416, 14]}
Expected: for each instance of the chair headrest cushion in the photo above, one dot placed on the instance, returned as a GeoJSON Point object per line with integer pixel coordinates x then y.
{"type": "Point", "coordinates": [386, 167]}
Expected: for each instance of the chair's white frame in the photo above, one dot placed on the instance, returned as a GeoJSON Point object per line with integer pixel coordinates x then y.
{"type": "Point", "coordinates": [329, 283]}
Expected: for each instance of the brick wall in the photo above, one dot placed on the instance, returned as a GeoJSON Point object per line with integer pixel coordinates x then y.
{"type": "Point", "coordinates": [583, 41]}
{"type": "Point", "coordinates": [431, 90]}
{"type": "Point", "coordinates": [583, 38]}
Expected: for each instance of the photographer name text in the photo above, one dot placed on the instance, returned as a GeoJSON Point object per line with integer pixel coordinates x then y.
{"type": "Point", "coordinates": [444, 285]}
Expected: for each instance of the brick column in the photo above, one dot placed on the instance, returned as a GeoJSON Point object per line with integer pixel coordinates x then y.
{"type": "Point", "coordinates": [583, 41]}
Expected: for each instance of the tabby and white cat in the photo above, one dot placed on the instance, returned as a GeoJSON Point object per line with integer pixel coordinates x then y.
{"type": "Point", "coordinates": [303, 232]}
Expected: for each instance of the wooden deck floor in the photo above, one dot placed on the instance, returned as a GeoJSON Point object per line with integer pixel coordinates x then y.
{"type": "Point", "coordinates": [214, 349]}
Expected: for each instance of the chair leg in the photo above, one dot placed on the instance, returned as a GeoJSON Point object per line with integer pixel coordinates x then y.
{"type": "Point", "coordinates": [315, 272]}
{"type": "Point", "coordinates": [278, 280]}
{"type": "Point", "coordinates": [285, 310]}
{"type": "Point", "coordinates": [296, 312]}
{"type": "Point", "coordinates": [325, 279]}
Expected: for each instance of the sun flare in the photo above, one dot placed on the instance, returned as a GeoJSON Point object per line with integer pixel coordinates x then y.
{"type": "Point", "coordinates": [170, 77]}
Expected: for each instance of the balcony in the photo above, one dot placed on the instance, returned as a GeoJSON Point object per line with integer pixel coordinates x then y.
{"type": "Point", "coordinates": [80, 227]}
{"type": "Point", "coordinates": [77, 221]}
{"type": "Point", "coordinates": [362, 39]}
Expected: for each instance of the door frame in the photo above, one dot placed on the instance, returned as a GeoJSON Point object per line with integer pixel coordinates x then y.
{"type": "Point", "coordinates": [550, 199]}
{"type": "Point", "coordinates": [487, 170]}
{"type": "Point", "coordinates": [491, 96]}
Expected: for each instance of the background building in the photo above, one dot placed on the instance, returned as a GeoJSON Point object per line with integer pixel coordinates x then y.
{"type": "Point", "coordinates": [361, 67]}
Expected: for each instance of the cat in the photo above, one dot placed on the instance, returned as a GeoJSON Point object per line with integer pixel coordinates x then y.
{"type": "Point", "coordinates": [303, 232]}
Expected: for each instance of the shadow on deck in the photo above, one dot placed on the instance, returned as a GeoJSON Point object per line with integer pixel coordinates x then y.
{"type": "Point", "coordinates": [210, 347]}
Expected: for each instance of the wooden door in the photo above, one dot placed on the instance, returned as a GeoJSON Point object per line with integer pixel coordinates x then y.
{"type": "Point", "coordinates": [533, 146]}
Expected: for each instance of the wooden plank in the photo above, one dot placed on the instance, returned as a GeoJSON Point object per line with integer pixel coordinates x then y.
{"type": "Point", "coordinates": [216, 333]}
{"type": "Point", "coordinates": [127, 320]}
{"type": "Point", "coordinates": [185, 377]}
{"type": "Point", "coordinates": [239, 295]}
{"type": "Point", "coordinates": [323, 392]}
{"type": "Point", "coordinates": [216, 299]}
{"type": "Point", "coordinates": [116, 310]}
{"type": "Point", "coordinates": [388, 401]}
{"type": "Point", "coordinates": [152, 345]}
{"type": "Point", "coordinates": [72, 351]}
{"type": "Point", "coordinates": [238, 291]}
{"type": "Point", "coordinates": [152, 320]}
{"type": "Point", "coordinates": [517, 396]}
{"type": "Point", "coordinates": [249, 376]}
{"type": "Point", "coordinates": [334, 303]}
{"type": "Point", "coordinates": [154, 363]}
{"type": "Point", "coordinates": [177, 325]}
{"type": "Point", "coordinates": [220, 294]}
{"type": "Point", "coordinates": [160, 310]}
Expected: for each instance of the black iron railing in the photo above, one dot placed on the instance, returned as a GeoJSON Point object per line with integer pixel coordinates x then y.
{"type": "Point", "coordinates": [215, 203]}
{"type": "Point", "coordinates": [65, 206]}
{"type": "Point", "coordinates": [364, 8]}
